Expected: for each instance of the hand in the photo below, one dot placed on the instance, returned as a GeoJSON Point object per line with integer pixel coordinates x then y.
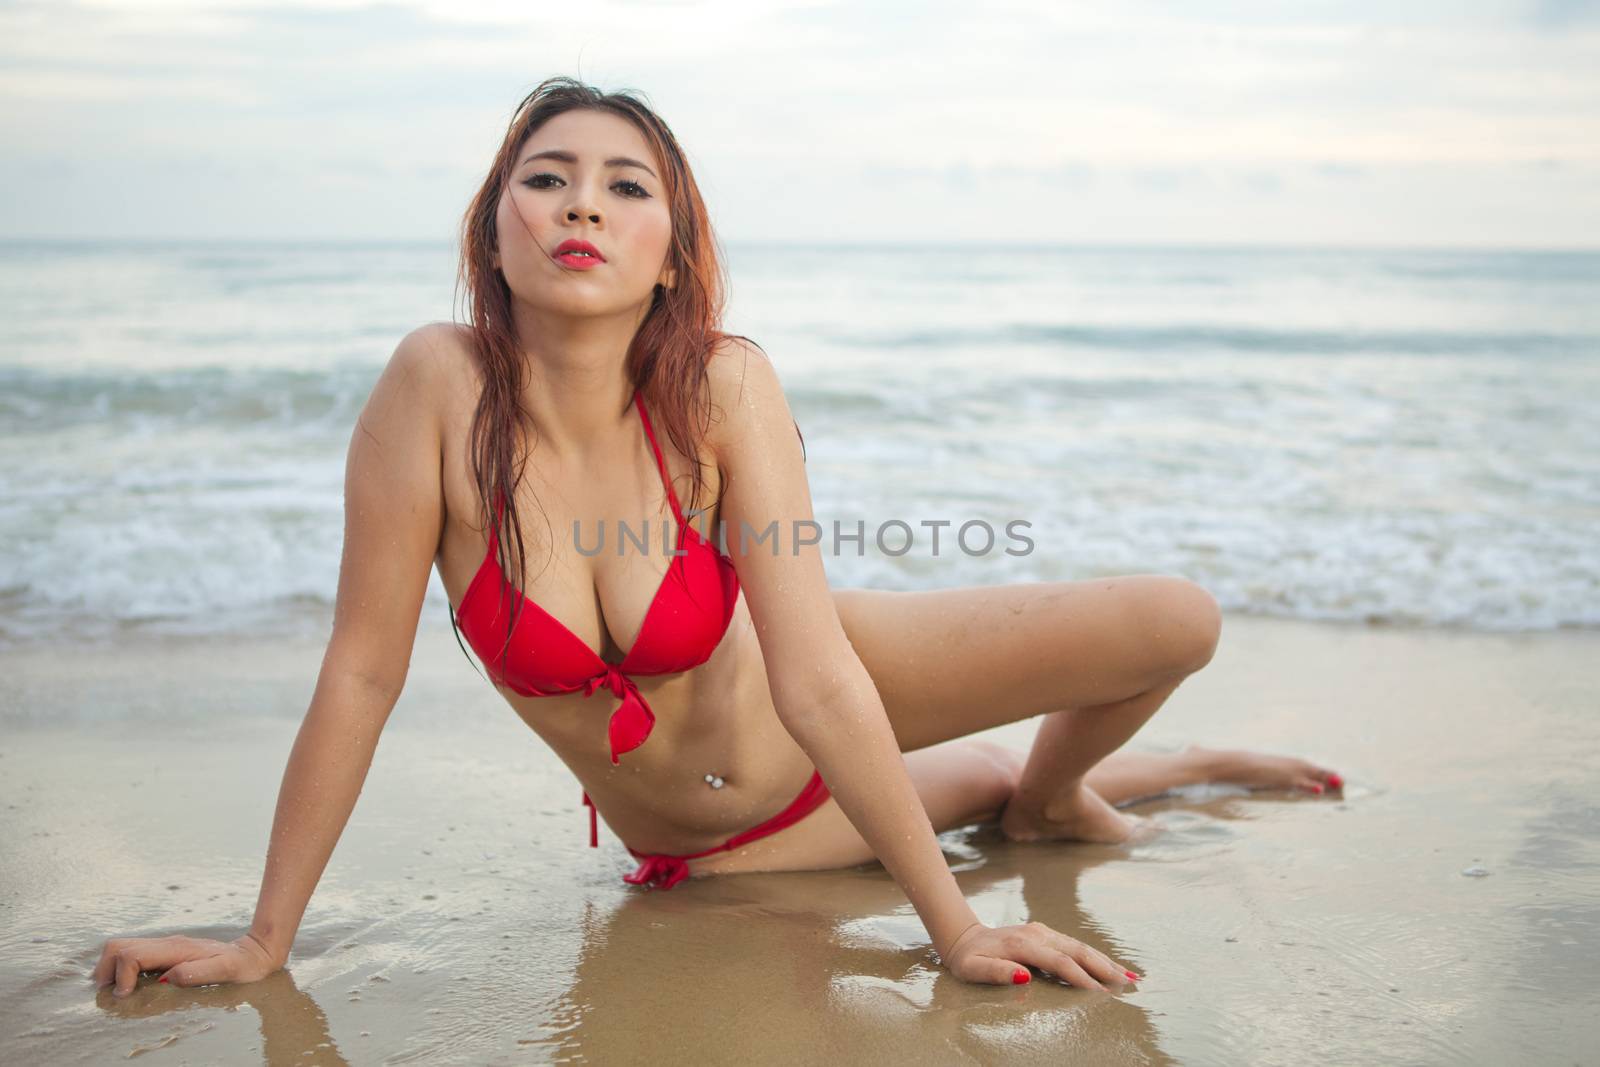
{"type": "Point", "coordinates": [1001, 956]}
{"type": "Point", "coordinates": [187, 961]}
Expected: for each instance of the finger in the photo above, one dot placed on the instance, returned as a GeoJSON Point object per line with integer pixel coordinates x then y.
{"type": "Point", "coordinates": [157, 954]}
{"type": "Point", "coordinates": [106, 964]}
{"type": "Point", "coordinates": [128, 969]}
{"type": "Point", "coordinates": [207, 971]}
{"type": "Point", "coordinates": [1101, 966]}
{"type": "Point", "coordinates": [1092, 959]}
{"type": "Point", "coordinates": [1067, 969]}
{"type": "Point", "coordinates": [1098, 963]}
{"type": "Point", "coordinates": [1039, 951]}
{"type": "Point", "coordinates": [996, 971]}
{"type": "Point", "coordinates": [136, 955]}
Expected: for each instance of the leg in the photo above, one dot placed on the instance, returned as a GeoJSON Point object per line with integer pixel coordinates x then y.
{"type": "Point", "coordinates": [1053, 800]}
{"type": "Point", "coordinates": [1099, 656]}
{"type": "Point", "coordinates": [950, 662]}
{"type": "Point", "coordinates": [971, 780]}
{"type": "Point", "coordinates": [1124, 777]}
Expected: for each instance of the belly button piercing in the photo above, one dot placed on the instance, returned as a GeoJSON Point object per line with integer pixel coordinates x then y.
{"type": "Point", "coordinates": [714, 781]}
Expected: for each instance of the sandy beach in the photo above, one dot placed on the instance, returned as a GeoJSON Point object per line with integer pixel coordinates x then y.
{"type": "Point", "coordinates": [1444, 910]}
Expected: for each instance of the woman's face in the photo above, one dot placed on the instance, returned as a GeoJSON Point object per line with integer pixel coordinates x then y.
{"type": "Point", "coordinates": [588, 192]}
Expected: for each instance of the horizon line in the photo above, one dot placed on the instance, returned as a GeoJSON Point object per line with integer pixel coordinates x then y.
{"type": "Point", "coordinates": [783, 243]}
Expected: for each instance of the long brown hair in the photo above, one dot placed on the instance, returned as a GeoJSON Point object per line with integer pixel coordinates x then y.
{"type": "Point", "coordinates": [666, 360]}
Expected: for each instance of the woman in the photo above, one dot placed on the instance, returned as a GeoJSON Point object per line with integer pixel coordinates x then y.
{"type": "Point", "coordinates": [593, 384]}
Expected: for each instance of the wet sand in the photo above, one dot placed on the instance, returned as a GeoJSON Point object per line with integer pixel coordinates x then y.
{"type": "Point", "coordinates": [464, 919]}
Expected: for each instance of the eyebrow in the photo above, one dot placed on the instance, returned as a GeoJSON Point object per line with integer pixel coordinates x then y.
{"type": "Point", "coordinates": [567, 157]}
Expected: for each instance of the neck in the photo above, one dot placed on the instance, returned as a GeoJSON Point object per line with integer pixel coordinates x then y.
{"type": "Point", "coordinates": [577, 381]}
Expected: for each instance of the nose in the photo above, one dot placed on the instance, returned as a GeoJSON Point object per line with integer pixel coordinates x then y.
{"type": "Point", "coordinates": [580, 202]}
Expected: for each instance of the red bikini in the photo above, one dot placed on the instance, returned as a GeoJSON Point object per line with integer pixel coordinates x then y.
{"type": "Point", "coordinates": [682, 628]}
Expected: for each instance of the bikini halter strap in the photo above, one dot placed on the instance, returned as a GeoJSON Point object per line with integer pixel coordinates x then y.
{"type": "Point", "coordinates": [661, 463]}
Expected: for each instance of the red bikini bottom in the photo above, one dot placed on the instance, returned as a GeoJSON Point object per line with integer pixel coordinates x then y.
{"type": "Point", "coordinates": [664, 871]}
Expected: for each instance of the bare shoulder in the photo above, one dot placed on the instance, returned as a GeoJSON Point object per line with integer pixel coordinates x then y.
{"type": "Point", "coordinates": [732, 361]}
{"type": "Point", "coordinates": [438, 352]}
{"type": "Point", "coordinates": [435, 362]}
{"type": "Point", "coordinates": [745, 393]}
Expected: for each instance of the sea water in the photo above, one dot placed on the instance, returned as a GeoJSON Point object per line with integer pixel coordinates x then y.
{"type": "Point", "coordinates": [1379, 435]}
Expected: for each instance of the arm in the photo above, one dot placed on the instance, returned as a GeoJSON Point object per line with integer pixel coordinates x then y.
{"type": "Point", "coordinates": [822, 692]}
{"type": "Point", "coordinates": [393, 513]}
{"type": "Point", "coordinates": [827, 700]}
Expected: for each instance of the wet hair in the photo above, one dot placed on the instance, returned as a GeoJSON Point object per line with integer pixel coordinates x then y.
{"type": "Point", "coordinates": [666, 360]}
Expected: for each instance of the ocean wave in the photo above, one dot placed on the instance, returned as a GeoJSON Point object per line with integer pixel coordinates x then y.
{"type": "Point", "coordinates": [1242, 339]}
{"type": "Point", "coordinates": [33, 400]}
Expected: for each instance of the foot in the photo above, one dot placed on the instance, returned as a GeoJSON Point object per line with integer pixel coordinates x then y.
{"type": "Point", "coordinates": [1260, 770]}
{"type": "Point", "coordinates": [1081, 816]}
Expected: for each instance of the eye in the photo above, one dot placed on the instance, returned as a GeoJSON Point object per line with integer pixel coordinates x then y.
{"type": "Point", "coordinates": [631, 189]}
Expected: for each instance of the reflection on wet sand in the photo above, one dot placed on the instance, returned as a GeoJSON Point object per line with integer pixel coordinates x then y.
{"type": "Point", "coordinates": [294, 1028]}
{"type": "Point", "coordinates": [745, 967]}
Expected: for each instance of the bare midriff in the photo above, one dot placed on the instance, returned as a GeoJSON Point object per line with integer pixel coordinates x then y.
{"type": "Point", "coordinates": [716, 719]}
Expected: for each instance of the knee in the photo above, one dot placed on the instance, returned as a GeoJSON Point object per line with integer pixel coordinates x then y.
{"type": "Point", "coordinates": [1189, 622]}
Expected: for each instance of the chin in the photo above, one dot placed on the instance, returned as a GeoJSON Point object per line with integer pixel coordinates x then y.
{"type": "Point", "coordinates": [582, 305]}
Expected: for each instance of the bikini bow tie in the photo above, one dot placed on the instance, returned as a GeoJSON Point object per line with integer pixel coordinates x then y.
{"type": "Point", "coordinates": [663, 871]}
{"type": "Point", "coordinates": [633, 720]}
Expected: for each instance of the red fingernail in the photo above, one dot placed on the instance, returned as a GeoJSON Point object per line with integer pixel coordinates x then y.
{"type": "Point", "coordinates": [163, 978]}
{"type": "Point", "coordinates": [1020, 976]}
{"type": "Point", "coordinates": [1130, 974]}
{"type": "Point", "coordinates": [1335, 782]}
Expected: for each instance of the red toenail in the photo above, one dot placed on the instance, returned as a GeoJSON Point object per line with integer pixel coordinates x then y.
{"type": "Point", "coordinates": [1335, 782]}
{"type": "Point", "coordinates": [1316, 789]}
{"type": "Point", "coordinates": [1020, 976]}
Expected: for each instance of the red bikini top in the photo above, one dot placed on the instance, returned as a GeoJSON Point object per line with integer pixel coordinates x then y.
{"type": "Point", "coordinates": [682, 627]}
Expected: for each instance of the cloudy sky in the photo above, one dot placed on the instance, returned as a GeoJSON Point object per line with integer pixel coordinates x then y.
{"type": "Point", "coordinates": [1433, 123]}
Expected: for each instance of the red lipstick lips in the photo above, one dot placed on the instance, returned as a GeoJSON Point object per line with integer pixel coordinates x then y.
{"type": "Point", "coordinates": [580, 254]}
